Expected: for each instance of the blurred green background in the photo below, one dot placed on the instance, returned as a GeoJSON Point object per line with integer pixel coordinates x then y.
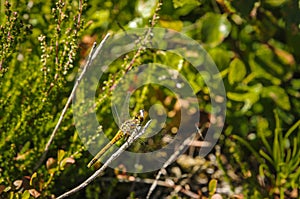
{"type": "Point", "coordinates": [255, 45]}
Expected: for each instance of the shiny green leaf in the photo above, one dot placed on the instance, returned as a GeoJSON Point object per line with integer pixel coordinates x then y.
{"type": "Point", "coordinates": [34, 175]}
{"type": "Point", "coordinates": [237, 71]}
{"type": "Point", "coordinates": [212, 186]}
{"type": "Point", "coordinates": [60, 155]}
{"type": "Point", "coordinates": [214, 28]}
{"type": "Point", "coordinates": [26, 194]}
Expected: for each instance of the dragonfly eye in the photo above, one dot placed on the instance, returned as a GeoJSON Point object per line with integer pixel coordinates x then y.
{"type": "Point", "coordinates": [140, 116]}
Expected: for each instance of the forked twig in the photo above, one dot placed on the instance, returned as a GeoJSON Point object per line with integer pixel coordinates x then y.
{"type": "Point", "coordinates": [172, 158]}
{"type": "Point", "coordinates": [135, 135]}
{"type": "Point", "coordinates": [91, 57]}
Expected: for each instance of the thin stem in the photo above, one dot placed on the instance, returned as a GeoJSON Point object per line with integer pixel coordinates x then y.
{"type": "Point", "coordinates": [91, 57]}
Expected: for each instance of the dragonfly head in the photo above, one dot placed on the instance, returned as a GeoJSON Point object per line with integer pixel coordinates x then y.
{"type": "Point", "coordinates": [140, 116]}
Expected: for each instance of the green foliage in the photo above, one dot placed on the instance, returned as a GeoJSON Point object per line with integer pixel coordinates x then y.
{"type": "Point", "coordinates": [214, 29]}
{"type": "Point", "coordinates": [253, 43]}
{"type": "Point", "coordinates": [281, 155]}
{"type": "Point", "coordinates": [11, 30]}
{"type": "Point", "coordinates": [212, 186]}
{"type": "Point", "coordinates": [34, 86]}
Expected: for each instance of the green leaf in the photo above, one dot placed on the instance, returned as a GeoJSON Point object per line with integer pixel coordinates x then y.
{"type": "Point", "coordinates": [249, 98]}
{"type": "Point", "coordinates": [295, 84]}
{"type": "Point", "coordinates": [221, 57]}
{"type": "Point", "coordinates": [275, 3]}
{"type": "Point", "coordinates": [184, 7]}
{"type": "Point", "coordinates": [237, 71]}
{"type": "Point", "coordinates": [269, 60]}
{"type": "Point", "coordinates": [278, 95]}
{"type": "Point", "coordinates": [259, 72]}
{"type": "Point", "coordinates": [26, 194]}
{"type": "Point", "coordinates": [60, 155]}
{"type": "Point", "coordinates": [263, 131]}
{"type": "Point", "coordinates": [212, 186]}
{"type": "Point", "coordinates": [214, 28]}
{"type": "Point", "coordinates": [174, 24]}
{"type": "Point", "coordinates": [181, 3]}
{"type": "Point", "coordinates": [146, 8]}
{"type": "Point", "coordinates": [100, 18]}
{"type": "Point", "coordinates": [32, 177]}
{"type": "Point", "coordinates": [291, 130]}
{"type": "Point", "coordinates": [25, 147]}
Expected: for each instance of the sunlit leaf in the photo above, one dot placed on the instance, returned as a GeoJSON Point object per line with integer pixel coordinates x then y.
{"type": "Point", "coordinates": [268, 60]}
{"type": "Point", "coordinates": [214, 28]}
{"type": "Point", "coordinates": [249, 98]}
{"type": "Point", "coordinates": [212, 186]}
{"type": "Point", "coordinates": [60, 155]}
{"type": "Point", "coordinates": [278, 95]}
{"type": "Point", "coordinates": [26, 194]}
{"type": "Point", "coordinates": [286, 57]}
{"type": "Point", "coordinates": [146, 8]}
{"type": "Point", "coordinates": [100, 18]}
{"type": "Point", "coordinates": [275, 3]}
{"type": "Point", "coordinates": [226, 6]}
{"type": "Point", "coordinates": [32, 178]}
{"type": "Point", "coordinates": [136, 23]}
{"type": "Point", "coordinates": [183, 7]}
{"type": "Point", "coordinates": [237, 71]}
{"type": "Point", "coordinates": [175, 25]}
{"type": "Point", "coordinates": [181, 3]}
{"type": "Point", "coordinates": [25, 147]}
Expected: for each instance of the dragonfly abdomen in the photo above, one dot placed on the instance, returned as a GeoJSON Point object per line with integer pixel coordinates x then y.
{"type": "Point", "coordinates": [117, 137]}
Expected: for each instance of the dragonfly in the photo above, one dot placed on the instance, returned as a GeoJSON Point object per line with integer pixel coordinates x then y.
{"type": "Point", "coordinates": [125, 130]}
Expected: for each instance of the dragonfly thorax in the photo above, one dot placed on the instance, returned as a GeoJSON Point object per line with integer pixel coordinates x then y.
{"type": "Point", "coordinates": [131, 125]}
{"type": "Point", "coordinates": [128, 127]}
